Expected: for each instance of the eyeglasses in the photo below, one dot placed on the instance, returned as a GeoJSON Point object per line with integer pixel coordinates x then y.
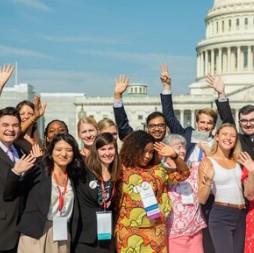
{"type": "Point", "coordinates": [245, 122]}
{"type": "Point", "coordinates": [154, 126]}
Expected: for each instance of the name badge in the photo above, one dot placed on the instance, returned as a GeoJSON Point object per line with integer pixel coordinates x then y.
{"type": "Point", "coordinates": [198, 136]}
{"type": "Point", "coordinates": [149, 201]}
{"type": "Point", "coordinates": [104, 225]}
{"type": "Point", "coordinates": [60, 229]}
{"type": "Point", "coordinates": [186, 193]}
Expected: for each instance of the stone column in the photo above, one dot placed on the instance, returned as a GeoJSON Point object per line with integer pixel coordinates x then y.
{"type": "Point", "coordinates": [212, 61]}
{"type": "Point", "coordinates": [193, 118]}
{"type": "Point", "coordinates": [229, 59]}
{"type": "Point", "coordinates": [206, 62]}
{"type": "Point", "coordinates": [182, 117]}
{"type": "Point", "coordinates": [236, 118]}
{"type": "Point", "coordinates": [250, 63]}
{"type": "Point", "coordinates": [198, 65]}
{"type": "Point", "coordinates": [219, 65]}
{"type": "Point", "coordinates": [239, 61]}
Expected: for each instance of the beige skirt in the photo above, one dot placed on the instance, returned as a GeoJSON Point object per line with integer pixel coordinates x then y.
{"type": "Point", "coordinates": [44, 244]}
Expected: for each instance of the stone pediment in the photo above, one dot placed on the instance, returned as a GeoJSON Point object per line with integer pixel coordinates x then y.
{"type": "Point", "coordinates": [243, 94]}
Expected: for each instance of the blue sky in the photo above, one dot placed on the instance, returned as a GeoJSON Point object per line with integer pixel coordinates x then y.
{"type": "Point", "coordinates": [82, 45]}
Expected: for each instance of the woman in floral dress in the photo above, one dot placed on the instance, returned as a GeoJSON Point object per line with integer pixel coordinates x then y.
{"type": "Point", "coordinates": [139, 229]}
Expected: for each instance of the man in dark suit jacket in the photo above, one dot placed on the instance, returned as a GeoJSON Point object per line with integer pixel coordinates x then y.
{"type": "Point", "coordinates": [9, 154]}
{"type": "Point", "coordinates": [155, 122]}
{"type": "Point", "coordinates": [245, 115]}
{"type": "Point", "coordinates": [205, 118]}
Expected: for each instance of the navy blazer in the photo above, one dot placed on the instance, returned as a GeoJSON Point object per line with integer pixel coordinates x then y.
{"type": "Point", "coordinates": [227, 117]}
{"type": "Point", "coordinates": [174, 124]}
{"type": "Point", "coordinates": [122, 122]}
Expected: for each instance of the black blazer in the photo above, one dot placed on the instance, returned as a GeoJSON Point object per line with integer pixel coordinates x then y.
{"type": "Point", "coordinates": [88, 204]}
{"type": "Point", "coordinates": [9, 211]}
{"type": "Point", "coordinates": [227, 117]}
{"type": "Point", "coordinates": [36, 186]}
{"type": "Point", "coordinates": [174, 125]}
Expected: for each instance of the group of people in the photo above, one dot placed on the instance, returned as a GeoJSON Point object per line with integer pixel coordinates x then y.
{"type": "Point", "coordinates": [166, 189]}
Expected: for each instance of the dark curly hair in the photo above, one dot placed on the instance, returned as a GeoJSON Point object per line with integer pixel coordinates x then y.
{"type": "Point", "coordinates": [75, 167]}
{"type": "Point", "coordinates": [133, 148]}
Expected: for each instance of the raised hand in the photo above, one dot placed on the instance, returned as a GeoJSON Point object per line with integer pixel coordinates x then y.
{"type": "Point", "coordinates": [39, 108]}
{"type": "Point", "coordinates": [24, 164]}
{"type": "Point", "coordinates": [5, 74]}
{"type": "Point", "coordinates": [207, 171]}
{"type": "Point", "coordinates": [164, 150]}
{"type": "Point", "coordinates": [217, 84]}
{"type": "Point", "coordinates": [247, 162]}
{"type": "Point", "coordinates": [121, 85]}
{"type": "Point", "coordinates": [36, 151]}
{"type": "Point", "coordinates": [165, 77]}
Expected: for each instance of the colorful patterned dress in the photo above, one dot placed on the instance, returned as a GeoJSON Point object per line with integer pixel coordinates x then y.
{"type": "Point", "coordinates": [135, 232]}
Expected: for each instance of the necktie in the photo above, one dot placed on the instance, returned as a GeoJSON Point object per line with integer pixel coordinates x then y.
{"type": "Point", "coordinates": [10, 153]}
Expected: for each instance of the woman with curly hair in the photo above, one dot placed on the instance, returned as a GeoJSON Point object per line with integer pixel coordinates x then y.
{"type": "Point", "coordinates": [143, 202]}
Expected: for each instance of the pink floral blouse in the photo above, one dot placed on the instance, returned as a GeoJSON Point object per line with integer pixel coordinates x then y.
{"type": "Point", "coordinates": [186, 218]}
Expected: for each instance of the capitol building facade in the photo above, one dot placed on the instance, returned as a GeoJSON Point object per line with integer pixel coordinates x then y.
{"type": "Point", "coordinates": [227, 50]}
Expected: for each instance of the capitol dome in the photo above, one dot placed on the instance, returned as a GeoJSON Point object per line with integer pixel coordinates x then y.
{"type": "Point", "coordinates": [227, 49]}
{"type": "Point", "coordinates": [219, 3]}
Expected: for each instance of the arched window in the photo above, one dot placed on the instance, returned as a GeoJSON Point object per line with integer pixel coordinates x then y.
{"type": "Point", "coordinates": [229, 24]}
{"type": "Point", "coordinates": [237, 23]}
{"type": "Point", "coordinates": [246, 23]}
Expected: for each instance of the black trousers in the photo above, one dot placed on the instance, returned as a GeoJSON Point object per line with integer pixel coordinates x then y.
{"type": "Point", "coordinates": [227, 229]}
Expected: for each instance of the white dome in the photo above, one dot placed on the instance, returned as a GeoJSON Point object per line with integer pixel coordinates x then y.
{"type": "Point", "coordinates": [218, 3]}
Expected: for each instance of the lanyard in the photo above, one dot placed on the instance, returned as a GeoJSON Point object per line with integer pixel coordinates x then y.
{"type": "Point", "coordinates": [61, 195]}
{"type": "Point", "coordinates": [104, 195]}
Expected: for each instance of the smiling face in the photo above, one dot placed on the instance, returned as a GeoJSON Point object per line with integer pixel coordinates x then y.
{"type": "Point", "coordinates": [26, 112]}
{"type": "Point", "coordinates": [247, 123]}
{"type": "Point", "coordinates": [54, 128]}
{"type": "Point", "coordinates": [147, 155]}
{"type": "Point", "coordinates": [87, 133]}
{"type": "Point", "coordinates": [226, 138]}
{"type": "Point", "coordinates": [9, 129]}
{"type": "Point", "coordinates": [107, 154]}
{"type": "Point", "coordinates": [62, 154]}
{"type": "Point", "coordinates": [157, 128]}
{"type": "Point", "coordinates": [205, 123]}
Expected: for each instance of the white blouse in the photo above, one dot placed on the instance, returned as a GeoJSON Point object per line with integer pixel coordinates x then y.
{"type": "Point", "coordinates": [54, 203]}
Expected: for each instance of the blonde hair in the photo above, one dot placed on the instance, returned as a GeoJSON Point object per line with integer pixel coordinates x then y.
{"type": "Point", "coordinates": [207, 111]}
{"type": "Point", "coordinates": [87, 120]}
{"type": "Point", "coordinates": [105, 123]}
{"type": "Point", "coordinates": [234, 154]}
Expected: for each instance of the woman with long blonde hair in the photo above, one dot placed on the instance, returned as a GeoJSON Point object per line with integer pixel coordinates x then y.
{"type": "Point", "coordinates": [221, 173]}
